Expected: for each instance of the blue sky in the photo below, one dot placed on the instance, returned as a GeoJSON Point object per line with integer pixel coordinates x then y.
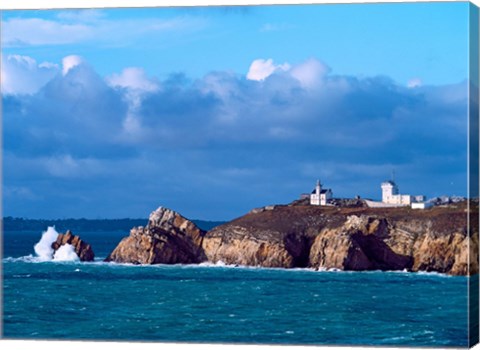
{"type": "Point", "coordinates": [214, 111]}
{"type": "Point", "coordinates": [355, 39]}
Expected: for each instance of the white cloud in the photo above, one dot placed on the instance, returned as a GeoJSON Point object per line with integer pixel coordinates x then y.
{"type": "Point", "coordinates": [23, 75]}
{"type": "Point", "coordinates": [89, 15]}
{"type": "Point", "coordinates": [36, 31]}
{"type": "Point", "coordinates": [137, 84]}
{"type": "Point", "coordinates": [221, 84]}
{"type": "Point", "coordinates": [261, 69]}
{"type": "Point", "coordinates": [310, 73]}
{"type": "Point", "coordinates": [48, 65]}
{"type": "Point", "coordinates": [70, 62]}
{"type": "Point", "coordinates": [75, 27]}
{"type": "Point", "coordinates": [86, 141]}
{"type": "Point", "coordinates": [133, 78]}
{"type": "Point", "coordinates": [24, 61]}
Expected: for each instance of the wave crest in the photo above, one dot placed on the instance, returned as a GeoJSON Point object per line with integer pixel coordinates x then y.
{"type": "Point", "coordinates": [44, 251]}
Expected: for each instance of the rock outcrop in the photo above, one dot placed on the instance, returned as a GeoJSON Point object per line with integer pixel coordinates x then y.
{"type": "Point", "coordinates": [357, 245]}
{"type": "Point", "coordinates": [345, 238]}
{"type": "Point", "coordinates": [268, 248]}
{"type": "Point", "coordinates": [82, 249]}
{"type": "Point", "coordinates": [355, 239]}
{"type": "Point", "coordinates": [273, 236]}
{"type": "Point", "coordinates": [168, 238]}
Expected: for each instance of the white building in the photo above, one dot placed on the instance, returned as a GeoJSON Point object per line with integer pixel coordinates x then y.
{"type": "Point", "coordinates": [320, 196]}
{"type": "Point", "coordinates": [391, 196]}
{"type": "Point", "coordinates": [421, 205]}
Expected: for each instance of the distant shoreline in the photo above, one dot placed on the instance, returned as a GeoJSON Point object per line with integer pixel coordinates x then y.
{"type": "Point", "coordinates": [82, 224]}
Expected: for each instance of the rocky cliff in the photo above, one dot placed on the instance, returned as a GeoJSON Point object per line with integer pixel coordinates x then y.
{"type": "Point", "coordinates": [349, 239]}
{"type": "Point", "coordinates": [353, 238]}
{"type": "Point", "coordinates": [82, 249]}
{"type": "Point", "coordinates": [168, 238]}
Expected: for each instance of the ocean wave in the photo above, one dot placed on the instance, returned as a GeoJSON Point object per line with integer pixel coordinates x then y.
{"type": "Point", "coordinates": [433, 273]}
{"type": "Point", "coordinates": [28, 258]}
{"type": "Point", "coordinates": [222, 265]}
{"type": "Point", "coordinates": [38, 260]}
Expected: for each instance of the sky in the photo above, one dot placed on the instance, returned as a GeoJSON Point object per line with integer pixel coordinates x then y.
{"type": "Point", "coordinates": [212, 111]}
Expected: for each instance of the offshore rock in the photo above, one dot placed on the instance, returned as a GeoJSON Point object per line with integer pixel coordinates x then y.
{"type": "Point", "coordinates": [168, 238]}
{"type": "Point", "coordinates": [82, 249]}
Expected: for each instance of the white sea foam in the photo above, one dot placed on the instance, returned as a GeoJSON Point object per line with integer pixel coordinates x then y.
{"type": "Point", "coordinates": [433, 273]}
{"type": "Point", "coordinates": [66, 253]}
{"type": "Point", "coordinates": [43, 248]}
{"type": "Point", "coordinates": [45, 252]}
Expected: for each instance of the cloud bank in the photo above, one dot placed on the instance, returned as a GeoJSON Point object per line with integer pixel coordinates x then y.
{"type": "Point", "coordinates": [215, 147]}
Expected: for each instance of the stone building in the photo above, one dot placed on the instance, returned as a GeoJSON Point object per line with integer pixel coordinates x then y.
{"type": "Point", "coordinates": [320, 196]}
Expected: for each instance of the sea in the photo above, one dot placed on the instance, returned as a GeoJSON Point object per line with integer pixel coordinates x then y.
{"type": "Point", "coordinates": [65, 299]}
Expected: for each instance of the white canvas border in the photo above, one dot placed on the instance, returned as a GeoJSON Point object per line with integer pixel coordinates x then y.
{"type": "Point", "coordinates": [53, 4]}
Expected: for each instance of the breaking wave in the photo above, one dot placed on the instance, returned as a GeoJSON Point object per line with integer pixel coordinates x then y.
{"type": "Point", "coordinates": [43, 248]}
{"type": "Point", "coordinates": [66, 253]}
{"type": "Point", "coordinates": [45, 252]}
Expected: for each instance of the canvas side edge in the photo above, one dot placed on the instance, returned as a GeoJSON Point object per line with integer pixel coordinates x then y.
{"type": "Point", "coordinates": [473, 175]}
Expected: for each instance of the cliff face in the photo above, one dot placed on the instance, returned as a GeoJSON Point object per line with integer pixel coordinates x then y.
{"type": "Point", "coordinates": [355, 239]}
{"type": "Point", "coordinates": [348, 239]}
{"type": "Point", "coordinates": [270, 237]}
{"type": "Point", "coordinates": [82, 249]}
{"type": "Point", "coordinates": [168, 238]}
{"type": "Point", "coordinates": [358, 244]}
{"type": "Point", "coordinates": [268, 248]}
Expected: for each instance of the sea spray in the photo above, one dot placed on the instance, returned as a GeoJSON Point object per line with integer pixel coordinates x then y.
{"type": "Point", "coordinates": [66, 253]}
{"type": "Point", "coordinates": [44, 248]}
{"type": "Point", "coordinates": [45, 252]}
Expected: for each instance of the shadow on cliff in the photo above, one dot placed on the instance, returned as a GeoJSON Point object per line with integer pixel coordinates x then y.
{"type": "Point", "coordinates": [369, 252]}
{"type": "Point", "coordinates": [298, 246]}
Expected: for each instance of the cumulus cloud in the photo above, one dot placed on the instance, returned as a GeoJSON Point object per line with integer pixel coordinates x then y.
{"type": "Point", "coordinates": [310, 72]}
{"type": "Point", "coordinates": [261, 69]}
{"type": "Point", "coordinates": [133, 78]}
{"type": "Point", "coordinates": [70, 62]}
{"type": "Point", "coordinates": [23, 75]}
{"type": "Point", "coordinates": [63, 114]}
{"type": "Point", "coordinates": [137, 85]}
{"type": "Point", "coordinates": [262, 140]}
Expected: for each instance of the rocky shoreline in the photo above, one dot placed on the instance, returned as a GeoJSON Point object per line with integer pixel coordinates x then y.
{"type": "Point", "coordinates": [303, 236]}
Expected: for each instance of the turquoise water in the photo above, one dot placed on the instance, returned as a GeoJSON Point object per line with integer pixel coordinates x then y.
{"type": "Point", "coordinates": [68, 300]}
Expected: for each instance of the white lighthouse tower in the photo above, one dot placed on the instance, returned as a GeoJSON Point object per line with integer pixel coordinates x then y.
{"type": "Point", "coordinates": [389, 190]}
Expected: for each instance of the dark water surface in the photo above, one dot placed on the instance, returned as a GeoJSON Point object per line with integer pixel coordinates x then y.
{"type": "Point", "coordinates": [72, 300]}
